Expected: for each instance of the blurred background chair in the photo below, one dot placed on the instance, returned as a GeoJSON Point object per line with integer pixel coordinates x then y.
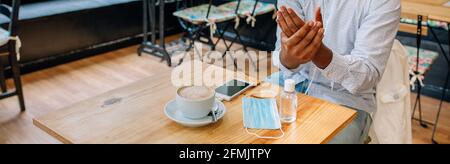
{"type": "Point", "coordinates": [247, 10]}
{"type": "Point", "coordinates": [392, 119]}
{"type": "Point", "coordinates": [421, 61]}
{"type": "Point", "coordinates": [199, 21]}
{"type": "Point", "coordinates": [10, 46]}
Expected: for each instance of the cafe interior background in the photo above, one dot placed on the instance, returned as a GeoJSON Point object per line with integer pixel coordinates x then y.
{"type": "Point", "coordinates": [58, 55]}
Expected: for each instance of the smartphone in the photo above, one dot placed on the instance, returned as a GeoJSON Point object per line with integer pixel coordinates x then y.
{"type": "Point", "coordinates": [231, 89]}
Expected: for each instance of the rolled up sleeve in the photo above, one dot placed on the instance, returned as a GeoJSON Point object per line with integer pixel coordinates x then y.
{"type": "Point", "coordinates": [363, 68]}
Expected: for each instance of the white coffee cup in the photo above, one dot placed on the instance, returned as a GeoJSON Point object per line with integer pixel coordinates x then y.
{"type": "Point", "coordinates": [195, 102]}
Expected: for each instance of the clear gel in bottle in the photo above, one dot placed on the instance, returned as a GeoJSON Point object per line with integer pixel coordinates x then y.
{"type": "Point", "coordinates": [288, 102]}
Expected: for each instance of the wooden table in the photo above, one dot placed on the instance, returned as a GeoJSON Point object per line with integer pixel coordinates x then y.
{"type": "Point", "coordinates": [135, 115]}
{"type": "Point", "coordinates": [433, 9]}
{"type": "Point", "coordinates": [428, 2]}
{"type": "Point", "coordinates": [428, 9]}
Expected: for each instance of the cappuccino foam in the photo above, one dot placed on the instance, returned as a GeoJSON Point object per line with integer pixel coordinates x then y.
{"type": "Point", "coordinates": [195, 92]}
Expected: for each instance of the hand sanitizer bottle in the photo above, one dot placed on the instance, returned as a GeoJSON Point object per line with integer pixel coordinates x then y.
{"type": "Point", "coordinates": [288, 102]}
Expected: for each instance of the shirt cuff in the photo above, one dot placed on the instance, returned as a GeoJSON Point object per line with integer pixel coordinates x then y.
{"type": "Point", "coordinates": [283, 68]}
{"type": "Point", "coordinates": [336, 68]}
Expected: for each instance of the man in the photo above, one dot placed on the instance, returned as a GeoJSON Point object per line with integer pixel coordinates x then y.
{"type": "Point", "coordinates": [341, 47]}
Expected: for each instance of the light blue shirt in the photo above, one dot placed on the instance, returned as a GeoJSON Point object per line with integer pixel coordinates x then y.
{"type": "Point", "coordinates": [361, 34]}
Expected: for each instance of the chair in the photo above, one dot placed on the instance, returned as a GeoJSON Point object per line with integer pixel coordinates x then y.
{"type": "Point", "coordinates": [248, 10]}
{"type": "Point", "coordinates": [392, 119]}
{"type": "Point", "coordinates": [196, 18]}
{"type": "Point", "coordinates": [417, 73]}
{"type": "Point", "coordinates": [422, 61]}
{"type": "Point", "coordinates": [10, 45]}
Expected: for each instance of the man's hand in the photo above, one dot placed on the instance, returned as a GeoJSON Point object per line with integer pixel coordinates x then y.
{"type": "Point", "coordinates": [300, 42]}
{"type": "Point", "coordinates": [290, 22]}
{"type": "Point", "coordinates": [319, 15]}
{"type": "Point", "coordinates": [302, 46]}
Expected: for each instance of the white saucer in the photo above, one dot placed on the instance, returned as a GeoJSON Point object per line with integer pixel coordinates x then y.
{"type": "Point", "coordinates": [175, 115]}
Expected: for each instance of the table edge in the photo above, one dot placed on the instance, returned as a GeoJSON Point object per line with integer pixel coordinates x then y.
{"type": "Point", "coordinates": [340, 128]}
{"type": "Point", "coordinates": [50, 132]}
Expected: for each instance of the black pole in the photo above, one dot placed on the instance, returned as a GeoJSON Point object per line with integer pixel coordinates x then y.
{"type": "Point", "coordinates": [419, 86]}
{"type": "Point", "coordinates": [152, 21]}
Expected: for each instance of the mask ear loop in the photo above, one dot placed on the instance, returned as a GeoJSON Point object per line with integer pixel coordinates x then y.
{"type": "Point", "coordinates": [266, 137]}
{"type": "Point", "coordinates": [312, 80]}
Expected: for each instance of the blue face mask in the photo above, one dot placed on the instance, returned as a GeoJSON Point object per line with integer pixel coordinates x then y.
{"type": "Point", "coordinates": [261, 114]}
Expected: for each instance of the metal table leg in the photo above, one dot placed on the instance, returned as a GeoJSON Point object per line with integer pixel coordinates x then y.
{"type": "Point", "coordinates": [3, 88]}
{"type": "Point", "coordinates": [161, 33]}
{"type": "Point", "coordinates": [149, 16]}
{"type": "Point", "coordinates": [144, 27]}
